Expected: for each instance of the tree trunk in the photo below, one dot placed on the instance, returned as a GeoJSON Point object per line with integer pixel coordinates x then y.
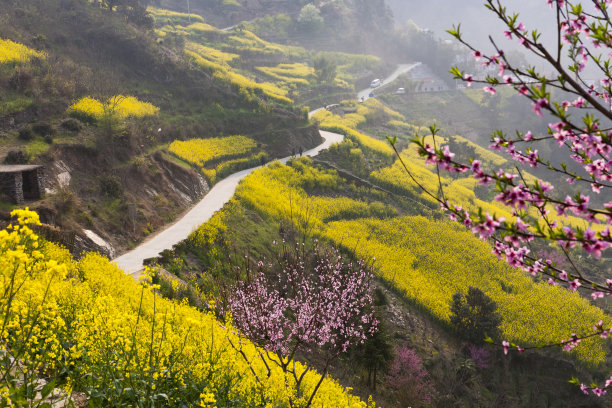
{"type": "Point", "coordinates": [374, 383]}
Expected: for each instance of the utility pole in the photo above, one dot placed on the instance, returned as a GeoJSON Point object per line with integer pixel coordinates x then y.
{"type": "Point", "coordinates": [189, 12]}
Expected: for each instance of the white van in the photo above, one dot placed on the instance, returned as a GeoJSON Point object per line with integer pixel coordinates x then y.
{"type": "Point", "coordinates": [400, 91]}
{"type": "Point", "coordinates": [375, 83]}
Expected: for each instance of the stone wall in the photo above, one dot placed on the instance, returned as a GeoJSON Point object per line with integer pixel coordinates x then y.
{"type": "Point", "coordinates": [12, 185]}
{"type": "Point", "coordinates": [22, 184]}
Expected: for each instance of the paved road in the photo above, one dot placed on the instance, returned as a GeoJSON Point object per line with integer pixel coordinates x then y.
{"type": "Point", "coordinates": [131, 262]}
{"type": "Point", "coordinates": [401, 69]}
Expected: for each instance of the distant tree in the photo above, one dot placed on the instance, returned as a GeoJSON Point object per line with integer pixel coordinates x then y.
{"type": "Point", "coordinates": [275, 27]}
{"type": "Point", "coordinates": [375, 354]}
{"type": "Point", "coordinates": [310, 19]}
{"type": "Point", "coordinates": [475, 316]}
{"type": "Point", "coordinates": [325, 69]}
{"type": "Point", "coordinates": [135, 11]}
{"type": "Point", "coordinates": [110, 4]}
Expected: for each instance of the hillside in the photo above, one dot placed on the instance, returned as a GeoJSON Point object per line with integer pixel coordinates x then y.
{"type": "Point", "coordinates": [354, 26]}
{"type": "Point", "coordinates": [327, 282]}
{"type": "Point", "coordinates": [351, 26]}
{"type": "Point", "coordinates": [111, 172]}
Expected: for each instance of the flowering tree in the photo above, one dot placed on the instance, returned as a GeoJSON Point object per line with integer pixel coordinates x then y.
{"type": "Point", "coordinates": [408, 378]}
{"type": "Point", "coordinates": [304, 302]}
{"type": "Point", "coordinates": [581, 112]}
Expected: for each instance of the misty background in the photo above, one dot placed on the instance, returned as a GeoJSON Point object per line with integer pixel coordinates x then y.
{"type": "Point", "coordinates": [477, 22]}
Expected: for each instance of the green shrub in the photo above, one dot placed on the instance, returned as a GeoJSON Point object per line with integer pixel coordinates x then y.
{"type": "Point", "coordinates": [16, 157]}
{"type": "Point", "coordinates": [26, 134]}
{"type": "Point", "coordinates": [71, 124]}
{"type": "Point", "coordinates": [43, 129]}
{"type": "Point", "coordinates": [474, 315]}
{"type": "Point", "coordinates": [110, 186]}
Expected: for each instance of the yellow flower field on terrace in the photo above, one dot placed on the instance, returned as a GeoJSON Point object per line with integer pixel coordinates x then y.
{"type": "Point", "coordinates": [245, 85]}
{"type": "Point", "coordinates": [163, 17]}
{"type": "Point", "coordinates": [123, 106]}
{"type": "Point", "coordinates": [278, 190]}
{"type": "Point", "coordinates": [408, 129]}
{"type": "Point", "coordinates": [11, 52]}
{"type": "Point", "coordinates": [346, 126]}
{"type": "Point", "coordinates": [427, 269]}
{"type": "Point", "coordinates": [211, 54]}
{"type": "Point", "coordinates": [460, 191]}
{"type": "Point", "coordinates": [226, 168]}
{"type": "Point", "coordinates": [485, 155]}
{"type": "Point", "coordinates": [373, 106]}
{"type": "Point", "coordinates": [201, 28]}
{"type": "Point", "coordinates": [94, 329]}
{"type": "Point", "coordinates": [246, 41]}
{"type": "Point", "coordinates": [290, 74]}
{"type": "Point", "coordinates": [202, 151]}
{"type": "Point", "coordinates": [429, 261]}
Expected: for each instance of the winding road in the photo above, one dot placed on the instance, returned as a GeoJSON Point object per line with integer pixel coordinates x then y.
{"type": "Point", "coordinates": [132, 262]}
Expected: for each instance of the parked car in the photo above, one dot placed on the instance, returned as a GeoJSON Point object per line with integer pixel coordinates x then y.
{"type": "Point", "coordinates": [375, 83]}
{"type": "Point", "coordinates": [400, 91]}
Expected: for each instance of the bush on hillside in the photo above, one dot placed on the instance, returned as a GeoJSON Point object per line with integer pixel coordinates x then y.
{"type": "Point", "coordinates": [474, 316]}
{"type": "Point", "coordinates": [110, 186]}
{"type": "Point", "coordinates": [16, 157]}
{"type": "Point", "coordinates": [26, 134]}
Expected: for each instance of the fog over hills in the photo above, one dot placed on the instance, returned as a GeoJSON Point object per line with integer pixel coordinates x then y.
{"type": "Point", "coordinates": [477, 22]}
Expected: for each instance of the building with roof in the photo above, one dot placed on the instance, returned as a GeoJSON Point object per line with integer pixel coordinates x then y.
{"type": "Point", "coordinates": [22, 183]}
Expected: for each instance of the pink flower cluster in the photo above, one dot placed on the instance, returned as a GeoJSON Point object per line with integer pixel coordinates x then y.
{"type": "Point", "coordinates": [325, 304]}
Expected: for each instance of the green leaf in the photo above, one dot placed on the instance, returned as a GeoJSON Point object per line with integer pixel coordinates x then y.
{"type": "Point", "coordinates": [455, 31]}
{"type": "Point", "coordinates": [456, 72]}
{"type": "Point", "coordinates": [47, 389]}
{"type": "Point", "coordinates": [161, 396]}
{"type": "Point", "coordinates": [434, 129]}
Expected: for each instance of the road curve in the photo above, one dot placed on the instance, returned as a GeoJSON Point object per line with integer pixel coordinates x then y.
{"type": "Point", "coordinates": [401, 69]}
{"type": "Point", "coordinates": [132, 262]}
